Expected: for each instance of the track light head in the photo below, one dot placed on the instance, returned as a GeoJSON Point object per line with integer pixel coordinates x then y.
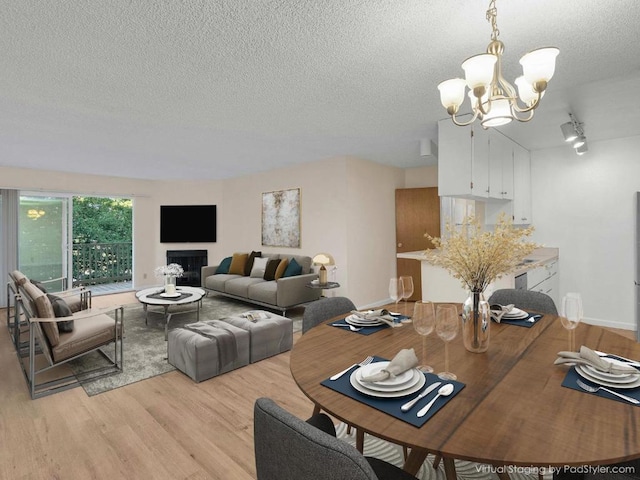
{"type": "Point", "coordinates": [568, 131]}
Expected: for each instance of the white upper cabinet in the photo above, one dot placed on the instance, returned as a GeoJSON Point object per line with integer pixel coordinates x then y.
{"type": "Point", "coordinates": [500, 166]}
{"type": "Point", "coordinates": [521, 185]}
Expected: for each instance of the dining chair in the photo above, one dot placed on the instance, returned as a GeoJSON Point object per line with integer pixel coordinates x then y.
{"type": "Point", "coordinates": [324, 309]}
{"type": "Point", "coordinates": [289, 448]}
{"type": "Point", "coordinates": [525, 300]}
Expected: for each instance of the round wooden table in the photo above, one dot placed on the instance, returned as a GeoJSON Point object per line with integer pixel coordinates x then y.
{"type": "Point", "coordinates": [513, 410]}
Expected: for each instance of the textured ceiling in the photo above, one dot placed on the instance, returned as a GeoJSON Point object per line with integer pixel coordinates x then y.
{"type": "Point", "coordinates": [214, 89]}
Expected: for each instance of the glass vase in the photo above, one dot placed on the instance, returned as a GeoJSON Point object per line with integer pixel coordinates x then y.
{"type": "Point", "coordinates": [476, 322]}
{"type": "Point", "coordinates": [170, 284]}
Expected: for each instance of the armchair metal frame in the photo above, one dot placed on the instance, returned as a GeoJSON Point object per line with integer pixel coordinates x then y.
{"type": "Point", "coordinates": [37, 338]}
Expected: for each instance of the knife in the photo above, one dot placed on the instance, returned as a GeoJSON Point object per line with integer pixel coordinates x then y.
{"type": "Point", "coordinates": [407, 406]}
{"type": "Point", "coordinates": [613, 356]}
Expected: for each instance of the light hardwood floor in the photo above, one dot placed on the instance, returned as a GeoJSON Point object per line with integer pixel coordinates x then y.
{"type": "Point", "coordinates": [166, 427]}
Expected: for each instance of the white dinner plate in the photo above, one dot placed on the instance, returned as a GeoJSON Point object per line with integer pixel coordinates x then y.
{"type": "Point", "coordinates": [374, 368]}
{"type": "Point", "coordinates": [399, 393]}
{"type": "Point", "coordinates": [611, 377]}
{"type": "Point", "coordinates": [381, 387]}
{"type": "Point", "coordinates": [170, 295]}
{"type": "Point", "coordinates": [361, 322]}
{"type": "Point", "coordinates": [585, 374]}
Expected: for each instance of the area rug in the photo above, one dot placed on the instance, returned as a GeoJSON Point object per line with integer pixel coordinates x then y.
{"type": "Point", "coordinates": [145, 349]}
{"type": "Point", "coordinates": [391, 453]}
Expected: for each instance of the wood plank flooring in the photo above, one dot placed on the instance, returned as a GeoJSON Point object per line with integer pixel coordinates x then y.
{"type": "Point", "coordinates": [166, 427]}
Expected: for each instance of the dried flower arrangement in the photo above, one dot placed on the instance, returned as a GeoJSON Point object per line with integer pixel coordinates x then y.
{"type": "Point", "coordinates": [477, 257]}
{"type": "Point", "coordinates": [171, 270]}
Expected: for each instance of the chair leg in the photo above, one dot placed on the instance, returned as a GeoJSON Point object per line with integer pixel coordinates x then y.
{"type": "Point", "coordinates": [360, 440]}
{"type": "Point", "coordinates": [436, 461]}
{"type": "Point", "coordinates": [316, 409]}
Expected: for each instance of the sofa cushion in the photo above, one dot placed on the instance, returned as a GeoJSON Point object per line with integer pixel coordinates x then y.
{"type": "Point", "coordinates": [217, 281]}
{"type": "Point", "coordinates": [224, 265]}
{"type": "Point", "coordinates": [238, 261]}
{"type": "Point", "coordinates": [249, 265]}
{"type": "Point", "coordinates": [266, 292]}
{"type": "Point", "coordinates": [240, 286]}
{"type": "Point", "coordinates": [282, 266]}
{"type": "Point", "coordinates": [259, 266]}
{"type": "Point", "coordinates": [61, 309]}
{"type": "Point", "coordinates": [270, 271]}
{"type": "Point", "coordinates": [292, 269]}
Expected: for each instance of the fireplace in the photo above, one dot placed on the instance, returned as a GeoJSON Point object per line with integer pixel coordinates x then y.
{"type": "Point", "coordinates": [191, 261]}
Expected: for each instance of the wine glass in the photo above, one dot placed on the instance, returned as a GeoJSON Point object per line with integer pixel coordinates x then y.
{"type": "Point", "coordinates": [447, 324]}
{"type": "Point", "coordinates": [424, 320]}
{"type": "Point", "coordinates": [571, 315]}
{"type": "Point", "coordinates": [407, 291]}
{"type": "Point", "coordinates": [395, 290]}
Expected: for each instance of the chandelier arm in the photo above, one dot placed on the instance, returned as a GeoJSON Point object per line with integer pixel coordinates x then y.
{"type": "Point", "coordinates": [464, 124]}
{"type": "Point", "coordinates": [521, 119]}
{"type": "Point", "coordinates": [529, 108]}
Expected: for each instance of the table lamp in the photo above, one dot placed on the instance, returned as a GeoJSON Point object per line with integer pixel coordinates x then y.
{"type": "Point", "coordinates": [323, 259]}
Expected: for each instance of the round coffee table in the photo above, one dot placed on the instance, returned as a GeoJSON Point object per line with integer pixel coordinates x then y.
{"type": "Point", "coordinates": [156, 297]}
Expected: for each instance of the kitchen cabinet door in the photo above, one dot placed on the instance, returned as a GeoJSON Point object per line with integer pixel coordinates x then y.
{"type": "Point", "coordinates": [521, 186]}
{"type": "Point", "coordinates": [500, 166]}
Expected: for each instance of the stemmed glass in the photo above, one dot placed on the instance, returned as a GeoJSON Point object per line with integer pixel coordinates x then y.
{"type": "Point", "coordinates": [424, 320]}
{"type": "Point", "coordinates": [447, 325]}
{"type": "Point", "coordinates": [571, 315]}
{"type": "Point", "coordinates": [395, 290]}
{"type": "Point", "coordinates": [407, 291]}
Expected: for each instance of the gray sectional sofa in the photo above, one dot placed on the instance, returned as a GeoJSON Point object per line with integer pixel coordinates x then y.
{"type": "Point", "coordinates": [244, 282]}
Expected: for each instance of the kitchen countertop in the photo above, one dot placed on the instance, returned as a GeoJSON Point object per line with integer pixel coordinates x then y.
{"type": "Point", "coordinates": [537, 258]}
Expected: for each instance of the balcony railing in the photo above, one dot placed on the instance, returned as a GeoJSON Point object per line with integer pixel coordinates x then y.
{"type": "Point", "coordinates": [98, 263]}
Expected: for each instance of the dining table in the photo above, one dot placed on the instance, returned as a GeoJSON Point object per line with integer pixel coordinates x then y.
{"type": "Point", "coordinates": [513, 411]}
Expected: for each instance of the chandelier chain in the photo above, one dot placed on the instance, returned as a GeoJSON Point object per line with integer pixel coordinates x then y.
{"type": "Point", "coordinates": [492, 17]}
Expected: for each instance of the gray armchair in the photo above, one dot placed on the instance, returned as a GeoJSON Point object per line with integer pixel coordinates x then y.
{"type": "Point", "coordinates": [324, 309]}
{"type": "Point", "coordinates": [525, 300]}
{"type": "Point", "coordinates": [288, 448]}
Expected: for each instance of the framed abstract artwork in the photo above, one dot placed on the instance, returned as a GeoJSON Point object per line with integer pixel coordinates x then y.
{"type": "Point", "coordinates": [281, 218]}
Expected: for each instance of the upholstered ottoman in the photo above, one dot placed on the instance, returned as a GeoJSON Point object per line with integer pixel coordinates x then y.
{"type": "Point", "coordinates": [206, 349]}
{"type": "Point", "coordinates": [271, 334]}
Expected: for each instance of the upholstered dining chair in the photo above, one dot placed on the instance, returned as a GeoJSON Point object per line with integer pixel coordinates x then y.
{"type": "Point", "coordinates": [288, 448]}
{"type": "Point", "coordinates": [324, 309]}
{"type": "Point", "coordinates": [525, 300]}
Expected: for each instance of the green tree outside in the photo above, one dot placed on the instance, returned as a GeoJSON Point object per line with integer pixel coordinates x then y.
{"type": "Point", "coordinates": [102, 220]}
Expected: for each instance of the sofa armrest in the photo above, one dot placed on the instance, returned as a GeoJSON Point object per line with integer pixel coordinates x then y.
{"type": "Point", "coordinates": [207, 271]}
{"type": "Point", "coordinates": [294, 290]}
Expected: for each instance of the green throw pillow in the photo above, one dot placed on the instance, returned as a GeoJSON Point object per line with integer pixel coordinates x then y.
{"type": "Point", "coordinates": [224, 266]}
{"type": "Point", "coordinates": [293, 269]}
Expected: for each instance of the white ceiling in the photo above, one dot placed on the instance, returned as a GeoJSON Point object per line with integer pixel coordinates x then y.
{"type": "Point", "coordinates": [213, 89]}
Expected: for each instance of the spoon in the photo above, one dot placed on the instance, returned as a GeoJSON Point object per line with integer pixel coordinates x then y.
{"type": "Point", "coordinates": [442, 392]}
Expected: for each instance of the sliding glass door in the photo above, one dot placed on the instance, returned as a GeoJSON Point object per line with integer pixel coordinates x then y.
{"type": "Point", "coordinates": [44, 233]}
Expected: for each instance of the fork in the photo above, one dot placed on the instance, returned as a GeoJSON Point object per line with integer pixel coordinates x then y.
{"type": "Point", "coordinates": [366, 361]}
{"type": "Point", "coordinates": [591, 389]}
{"type": "Point", "coordinates": [351, 327]}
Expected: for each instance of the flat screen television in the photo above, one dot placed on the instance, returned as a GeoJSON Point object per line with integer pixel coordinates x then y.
{"type": "Point", "coordinates": [187, 223]}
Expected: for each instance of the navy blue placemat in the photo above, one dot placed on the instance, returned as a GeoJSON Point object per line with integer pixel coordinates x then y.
{"type": "Point", "coordinates": [523, 322]}
{"type": "Point", "coordinates": [392, 406]}
{"type": "Point", "coordinates": [572, 376]}
{"type": "Point", "coordinates": [366, 330]}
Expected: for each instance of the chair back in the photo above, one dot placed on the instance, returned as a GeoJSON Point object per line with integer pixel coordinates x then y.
{"type": "Point", "coordinates": [288, 448]}
{"type": "Point", "coordinates": [324, 309]}
{"type": "Point", "coordinates": [525, 300]}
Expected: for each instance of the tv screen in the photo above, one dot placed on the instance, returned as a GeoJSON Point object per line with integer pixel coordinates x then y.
{"type": "Point", "coordinates": [187, 223]}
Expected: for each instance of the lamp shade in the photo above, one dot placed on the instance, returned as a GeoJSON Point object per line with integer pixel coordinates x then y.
{"type": "Point", "coordinates": [323, 259]}
{"type": "Point", "coordinates": [568, 131]}
{"type": "Point", "coordinates": [452, 92]}
{"type": "Point", "coordinates": [578, 142]}
{"type": "Point", "coordinates": [500, 113]}
{"type": "Point", "coordinates": [478, 70]}
{"type": "Point", "coordinates": [539, 65]}
{"type": "Point", "coordinates": [525, 91]}
{"type": "Point", "coordinates": [582, 149]}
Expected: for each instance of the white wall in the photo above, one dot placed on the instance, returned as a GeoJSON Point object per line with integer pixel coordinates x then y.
{"type": "Point", "coordinates": [585, 205]}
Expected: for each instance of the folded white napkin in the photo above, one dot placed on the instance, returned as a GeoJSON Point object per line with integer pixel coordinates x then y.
{"type": "Point", "coordinates": [380, 314]}
{"type": "Point", "coordinates": [586, 356]}
{"type": "Point", "coordinates": [405, 359]}
{"type": "Point", "coordinates": [497, 311]}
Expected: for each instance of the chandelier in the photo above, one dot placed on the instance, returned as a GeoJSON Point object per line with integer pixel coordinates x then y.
{"type": "Point", "coordinates": [493, 99]}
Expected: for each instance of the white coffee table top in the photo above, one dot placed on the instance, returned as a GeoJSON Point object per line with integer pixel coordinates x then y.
{"type": "Point", "coordinates": [194, 295]}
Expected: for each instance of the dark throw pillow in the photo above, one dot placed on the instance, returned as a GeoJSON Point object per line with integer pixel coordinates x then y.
{"type": "Point", "coordinates": [293, 269]}
{"type": "Point", "coordinates": [224, 265]}
{"type": "Point", "coordinates": [249, 265]}
{"type": "Point", "coordinates": [270, 271]}
{"type": "Point", "coordinates": [61, 309]}
{"type": "Point", "coordinates": [39, 285]}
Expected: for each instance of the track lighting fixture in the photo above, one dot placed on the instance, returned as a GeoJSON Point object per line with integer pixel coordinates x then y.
{"type": "Point", "coordinates": [573, 132]}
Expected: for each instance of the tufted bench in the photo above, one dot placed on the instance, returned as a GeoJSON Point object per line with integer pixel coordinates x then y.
{"type": "Point", "coordinates": [270, 334]}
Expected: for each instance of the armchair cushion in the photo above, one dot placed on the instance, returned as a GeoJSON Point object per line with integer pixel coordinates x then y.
{"type": "Point", "coordinates": [99, 329]}
{"type": "Point", "coordinates": [224, 265]}
{"type": "Point", "coordinates": [61, 309]}
{"type": "Point", "coordinates": [44, 310]}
